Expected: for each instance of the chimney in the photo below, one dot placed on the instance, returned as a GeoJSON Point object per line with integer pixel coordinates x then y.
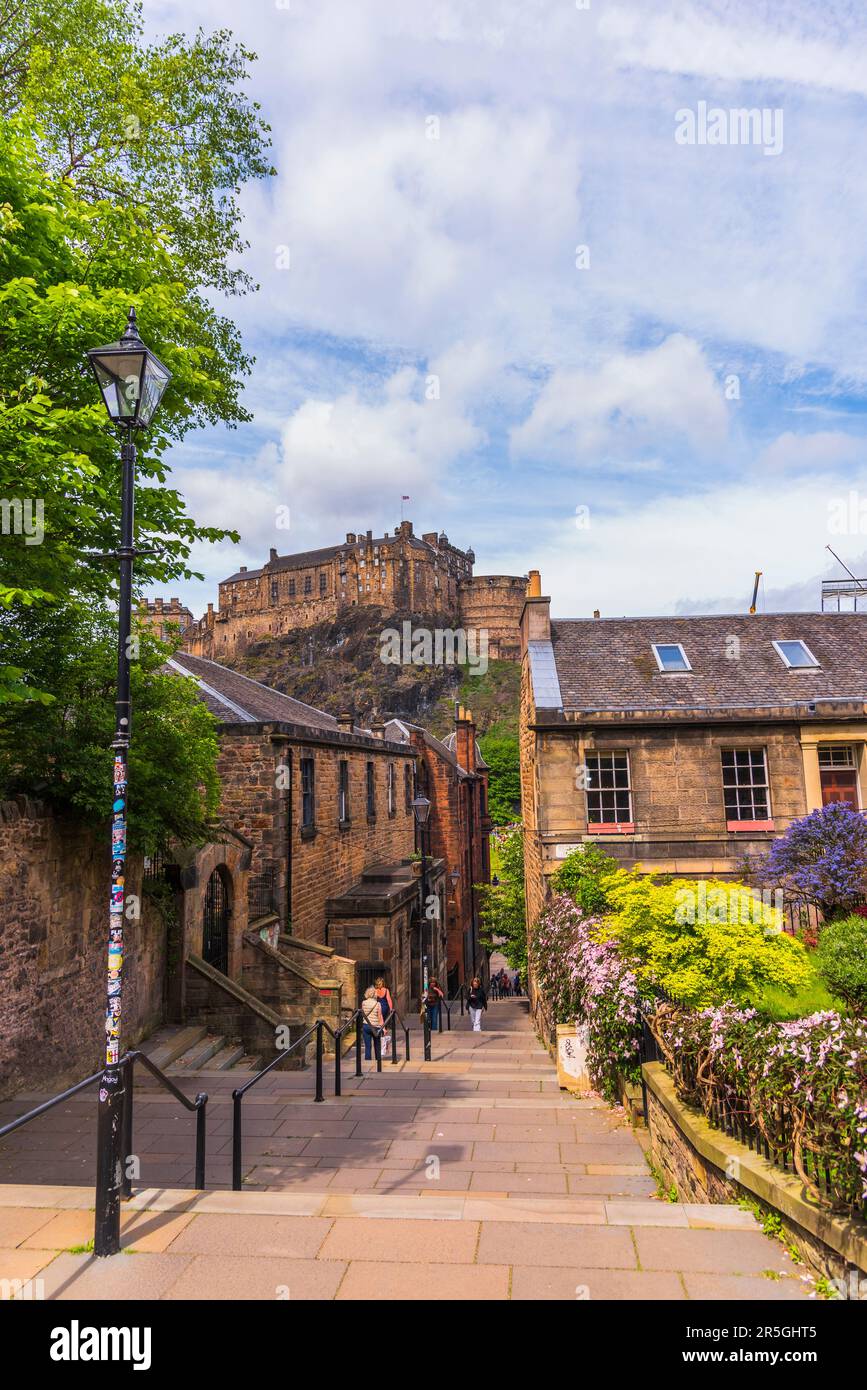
{"type": "Point", "coordinates": [377, 728]}
{"type": "Point", "coordinates": [158, 605]}
{"type": "Point", "coordinates": [465, 739]}
{"type": "Point", "coordinates": [272, 556]}
{"type": "Point", "coordinates": [350, 538]}
{"type": "Point", "coordinates": [210, 610]}
{"type": "Point", "coordinates": [243, 569]}
{"type": "Point", "coordinates": [345, 721]}
{"type": "Point", "coordinates": [596, 613]}
{"type": "Point", "coordinates": [536, 613]}
{"type": "Point", "coordinates": [369, 537]}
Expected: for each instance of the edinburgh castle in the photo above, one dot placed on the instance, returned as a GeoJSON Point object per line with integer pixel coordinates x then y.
{"type": "Point", "coordinates": [397, 573]}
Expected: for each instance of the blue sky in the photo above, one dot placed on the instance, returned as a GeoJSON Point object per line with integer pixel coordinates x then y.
{"type": "Point", "coordinates": [694, 379]}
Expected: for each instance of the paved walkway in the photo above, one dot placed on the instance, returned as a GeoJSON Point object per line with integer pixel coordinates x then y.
{"type": "Point", "coordinates": [469, 1177]}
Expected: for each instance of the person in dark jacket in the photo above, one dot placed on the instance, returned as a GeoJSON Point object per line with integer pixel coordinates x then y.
{"type": "Point", "coordinates": [433, 1002]}
{"type": "Point", "coordinates": [478, 1002]}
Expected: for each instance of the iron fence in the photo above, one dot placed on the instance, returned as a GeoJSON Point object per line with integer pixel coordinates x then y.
{"type": "Point", "coordinates": [261, 894]}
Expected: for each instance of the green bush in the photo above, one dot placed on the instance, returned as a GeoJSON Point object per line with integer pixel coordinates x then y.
{"type": "Point", "coordinates": [842, 961]}
{"type": "Point", "coordinates": [703, 942]}
{"type": "Point", "coordinates": [583, 875]}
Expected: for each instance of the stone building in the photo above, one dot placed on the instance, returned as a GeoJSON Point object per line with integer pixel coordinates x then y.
{"type": "Point", "coordinates": [326, 808]}
{"type": "Point", "coordinates": [453, 775]}
{"type": "Point", "coordinates": [684, 744]}
{"type": "Point", "coordinates": [398, 573]}
{"type": "Point", "coordinates": [164, 619]}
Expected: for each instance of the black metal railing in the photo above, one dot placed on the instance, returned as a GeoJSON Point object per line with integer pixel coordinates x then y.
{"type": "Point", "coordinates": [261, 894]}
{"type": "Point", "coordinates": [320, 1028]}
{"type": "Point", "coordinates": [128, 1062]}
{"type": "Point", "coordinates": [448, 1004]}
{"type": "Point", "coordinates": [771, 1136]}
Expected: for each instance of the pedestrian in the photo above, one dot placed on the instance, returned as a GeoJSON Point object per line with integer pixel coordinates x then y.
{"type": "Point", "coordinates": [433, 1002]}
{"type": "Point", "coordinates": [517, 983]}
{"type": "Point", "coordinates": [372, 1015]}
{"type": "Point", "coordinates": [495, 987]}
{"type": "Point", "coordinates": [477, 1001]}
{"type": "Point", "coordinates": [384, 999]}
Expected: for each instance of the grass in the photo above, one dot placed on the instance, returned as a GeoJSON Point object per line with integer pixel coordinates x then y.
{"type": "Point", "coordinates": [813, 997]}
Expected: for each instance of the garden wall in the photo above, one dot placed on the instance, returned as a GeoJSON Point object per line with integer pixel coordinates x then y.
{"type": "Point", "coordinates": [707, 1165]}
{"type": "Point", "coordinates": [54, 878]}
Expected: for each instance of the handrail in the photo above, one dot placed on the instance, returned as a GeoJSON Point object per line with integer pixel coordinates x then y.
{"type": "Point", "coordinates": [128, 1061]}
{"type": "Point", "coordinates": [199, 1105]}
{"type": "Point", "coordinates": [240, 1091]}
{"type": "Point", "coordinates": [48, 1105]}
{"type": "Point", "coordinates": [448, 1002]}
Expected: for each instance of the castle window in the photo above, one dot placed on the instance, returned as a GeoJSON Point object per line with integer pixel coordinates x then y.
{"type": "Point", "coordinates": [291, 588]}
{"type": "Point", "coordinates": [275, 590]}
{"type": "Point", "coordinates": [371, 792]}
{"type": "Point", "coordinates": [308, 584]}
{"type": "Point", "coordinates": [343, 793]}
{"type": "Point", "coordinates": [323, 582]}
{"type": "Point", "coordinates": [308, 794]}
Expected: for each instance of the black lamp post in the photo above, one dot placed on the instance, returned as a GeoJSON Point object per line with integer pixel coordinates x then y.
{"type": "Point", "coordinates": [421, 811]}
{"type": "Point", "coordinates": [132, 381]}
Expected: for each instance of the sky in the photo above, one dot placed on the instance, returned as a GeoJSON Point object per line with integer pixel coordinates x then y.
{"type": "Point", "coordinates": [524, 262]}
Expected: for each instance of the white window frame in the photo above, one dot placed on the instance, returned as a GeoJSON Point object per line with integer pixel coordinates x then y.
{"type": "Point", "coordinates": [785, 660]}
{"type": "Point", "coordinates": [656, 645]}
{"type": "Point", "coordinates": [599, 791]}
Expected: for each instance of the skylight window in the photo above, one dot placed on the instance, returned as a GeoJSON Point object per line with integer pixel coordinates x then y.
{"type": "Point", "coordinates": [796, 655]}
{"type": "Point", "coordinates": [670, 657]}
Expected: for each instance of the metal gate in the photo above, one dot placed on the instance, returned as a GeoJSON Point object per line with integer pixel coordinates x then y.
{"type": "Point", "coordinates": [215, 940]}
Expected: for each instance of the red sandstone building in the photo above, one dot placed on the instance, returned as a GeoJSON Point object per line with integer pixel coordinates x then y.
{"type": "Point", "coordinates": [453, 775]}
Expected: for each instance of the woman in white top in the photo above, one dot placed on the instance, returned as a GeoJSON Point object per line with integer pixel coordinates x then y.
{"type": "Point", "coordinates": [372, 1014]}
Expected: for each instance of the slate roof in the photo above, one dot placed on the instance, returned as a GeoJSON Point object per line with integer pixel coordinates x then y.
{"type": "Point", "coordinates": [608, 664]}
{"type": "Point", "coordinates": [233, 698]}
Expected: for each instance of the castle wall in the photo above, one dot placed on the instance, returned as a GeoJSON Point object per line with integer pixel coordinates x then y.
{"type": "Point", "coordinates": [493, 602]}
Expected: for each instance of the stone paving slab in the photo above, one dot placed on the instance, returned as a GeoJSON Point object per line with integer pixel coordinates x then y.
{"type": "Point", "coordinates": [530, 1282]}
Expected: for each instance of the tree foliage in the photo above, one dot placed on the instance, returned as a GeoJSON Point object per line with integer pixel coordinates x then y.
{"type": "Point", "coordinates": [501, 753]}
{"type": "Point", "coordinates": [583, 875]}
{"type": "Point", "coordinates": [502, 911]}
{"type": "Point", "coordinates": [822, 858]}
{"type": "Point", "coordinates": [842, 961]}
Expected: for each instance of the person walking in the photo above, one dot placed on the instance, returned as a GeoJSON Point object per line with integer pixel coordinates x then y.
{"type": "Point", "coordinates": [383, 998]}
{"type": "Point", "coordinates": [372, 1015]}
{"type": "Point", "coordinates": [517, 983]}
{"type": "Point", "coordinates": [495, 987]}
{"type": "Point", "coordinates": [433, 1002]}
{"type": "Point", "coordinates": [478, 1002]}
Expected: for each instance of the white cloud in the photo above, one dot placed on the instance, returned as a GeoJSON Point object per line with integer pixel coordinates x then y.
{"type": "Point", "coordinates": [815, 453]}
{"type": "Point", "coordinates": [630, 403]}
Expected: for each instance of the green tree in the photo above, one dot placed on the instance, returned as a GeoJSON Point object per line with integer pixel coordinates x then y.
{"type": "Point", "coordinates": [501, 905]}
{"type": "Point", "coordinates": [62, 750]}
{"type": "Point", "coordinates": [501, 753]}
{"type": "Point", "coordinates": [583, 875]}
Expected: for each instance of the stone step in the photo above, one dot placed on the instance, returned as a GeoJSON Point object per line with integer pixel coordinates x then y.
{"type": "Point", "coordinates": [201, 1053]}
{"type": "Point", "coordinates": [168, 1044]}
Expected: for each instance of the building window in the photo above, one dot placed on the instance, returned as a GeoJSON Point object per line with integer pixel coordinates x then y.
{"type": "Point", "coordinates": [838, 773]}
{"type": "Point", "coordinates": [308, 794]}
{"type": "Point", "coordinates": [323, 583]}
{"type": "Point", "coordinates": [609, 795]}
{"type": "Point", "coordinates": [275, 591]}
{"type": "Point", "coordinates": [291, 588]}
{"type": "Point", "coordinates": [745, 784]}
{"type": "Point", "coordinates": [796, 655]}
{"type": "Point", "coordinates": [389, 788]}
{"type": "Point", "coordinates": [371, 792]}
{"type": "Point", "coordinates": [343, 792]}
{"type": "Point", "coordinates": [407, 789]}
{"type": "Point", "coordinates": [670, 657]}
{"type": "Point", "coordinates": [308, 584]}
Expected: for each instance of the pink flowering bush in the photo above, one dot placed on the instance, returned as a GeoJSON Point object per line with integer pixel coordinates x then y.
{"type": "Point", "coordinates": [802, 1084]}
{"type": "Point", "coordinates": [582, 977]}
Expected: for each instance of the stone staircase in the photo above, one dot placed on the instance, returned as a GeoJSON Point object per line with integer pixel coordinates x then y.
{"type": "Point", "coordinates": [180, 1049]}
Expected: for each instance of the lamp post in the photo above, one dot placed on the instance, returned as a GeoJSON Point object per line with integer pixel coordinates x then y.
{"type": "Point", "coordinates": [421, 811]}
{"type": "Point", "coordinates": [132, 381]}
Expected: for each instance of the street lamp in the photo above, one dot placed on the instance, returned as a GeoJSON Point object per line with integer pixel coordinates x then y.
{"type": "Point", "coordinates": [132, 381]}
{"type": "Point", "coordinates": [421, 811]}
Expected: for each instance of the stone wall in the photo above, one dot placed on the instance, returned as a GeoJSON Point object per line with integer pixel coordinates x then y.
{"type": "Point", "coordinates": [54, 879]}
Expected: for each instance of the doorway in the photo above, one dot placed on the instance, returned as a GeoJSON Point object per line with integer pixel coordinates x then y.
{"type": "Point", "coordinates": [215, 933]}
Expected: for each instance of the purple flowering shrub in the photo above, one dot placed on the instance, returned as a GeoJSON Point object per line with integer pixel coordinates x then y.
{"type": "Point", "coordinates": [582, 977]}
{"type": "Point", "coordinates": [822, 858]}
{"type": "Point", "coordinates": [803, 1083]}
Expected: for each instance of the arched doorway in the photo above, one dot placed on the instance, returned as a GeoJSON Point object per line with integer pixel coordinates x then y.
{"type": "Point", "coordinates": [215, 925]}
